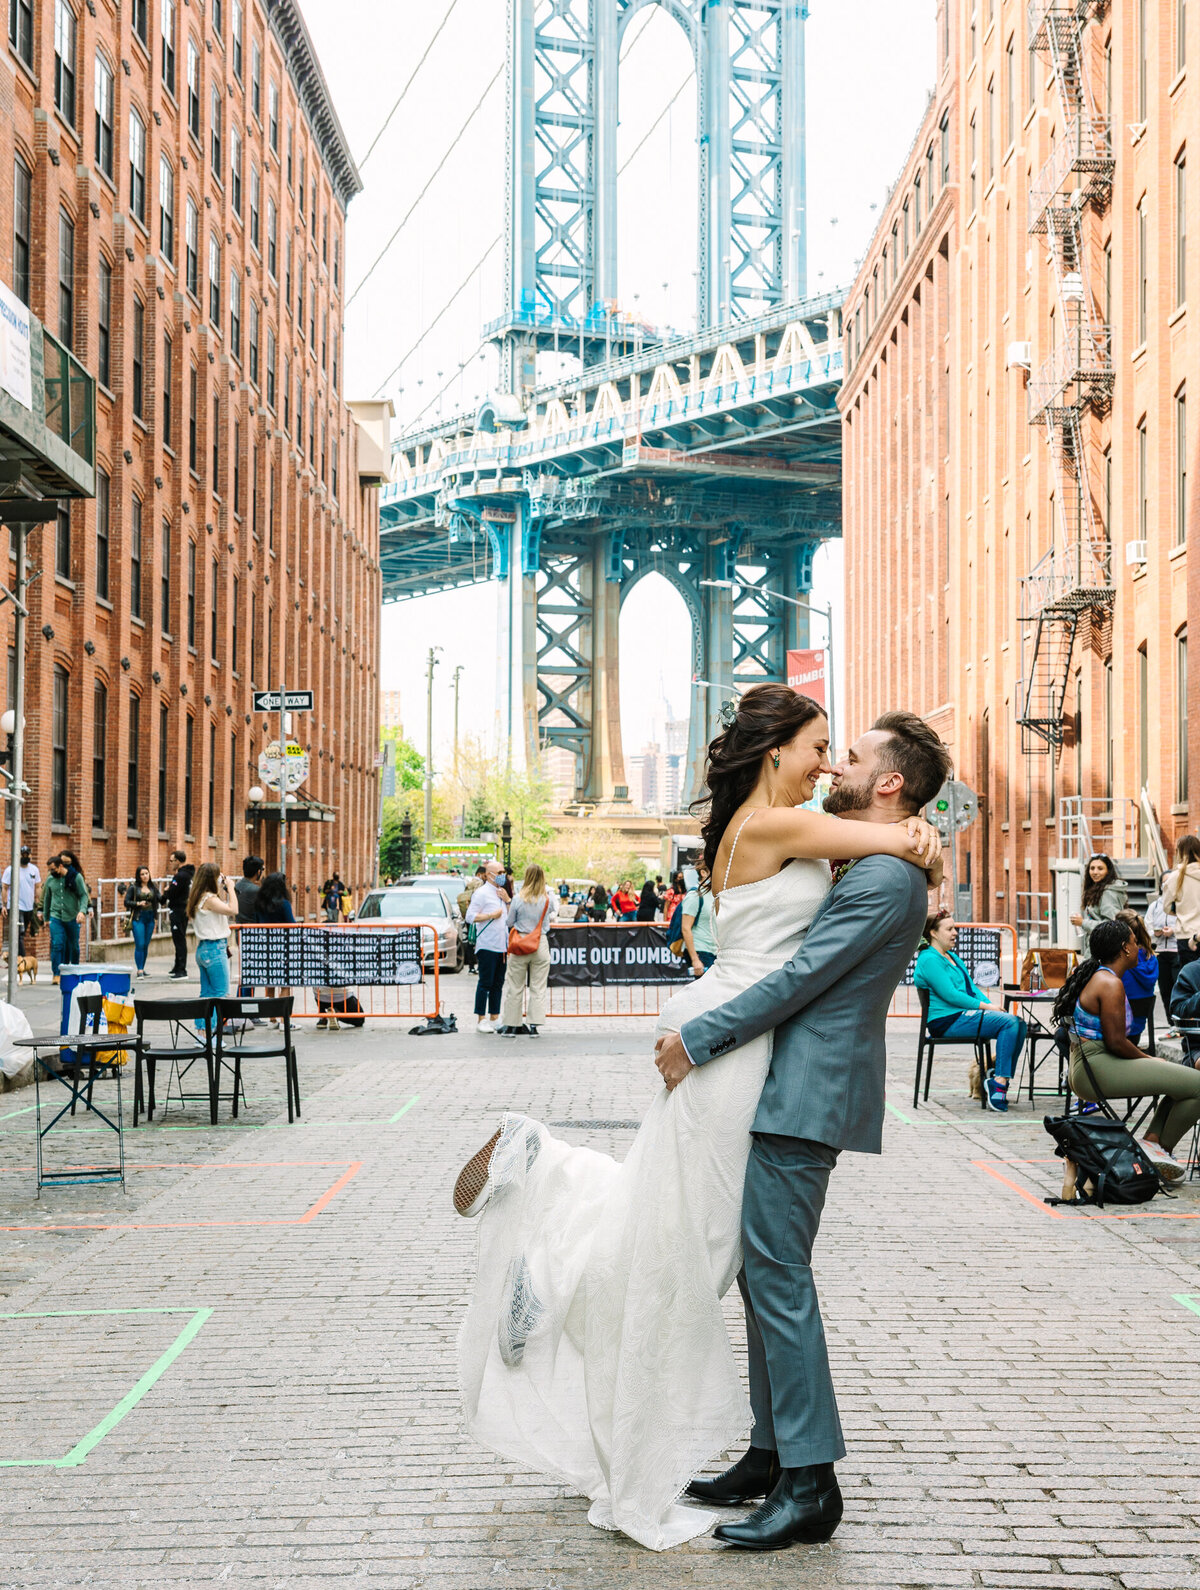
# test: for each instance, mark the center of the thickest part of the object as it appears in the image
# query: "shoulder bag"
(527, 943)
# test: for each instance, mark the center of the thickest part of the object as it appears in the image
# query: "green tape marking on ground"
(1188, 1301)
(403, 1110)
(78, 1453)
(28, 1110)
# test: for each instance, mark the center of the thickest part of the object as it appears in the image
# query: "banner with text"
(806, 673)
(626, 952)
(312, 956)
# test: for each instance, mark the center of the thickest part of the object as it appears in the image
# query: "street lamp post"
(432, 664)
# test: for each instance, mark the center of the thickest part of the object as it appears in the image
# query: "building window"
(233, 773)
(164, 589)
(256, 80)
(233, 624)
(905, 217)
(253, 316)
(168, 46)
(273, 117)
(1143, 701)
(991, 128)
(166, 210)
(20, 28)
(253, 493)
(325, 238)
(235, 171)
(163, 726)
(134, 743)
(1181, 229)
(313, 211)
(191, 248)
(312, 317)
(66, 280)
(216, 125)
(214, 280)
(917, 205)
(212, 779)
(334, 468)
(253, 637)
(287, 276)
(58, 746)
(103, 98)
(255, 186)
(212, 643)
(291, 150)
(1143, 270)
(237, 466)
(189, 748)
(1181, 717)
(1181, 447)
(235, 37)
(1108, 728)
(137, 166)
(216, 446)
(235, 314)
(193, 90)
(99, 751)
(141, 20)
(1143, 482)
(191, 596)
(62, 541)
(193, 414)
(135, 557)
(65, 27)
(303, 170)
(1180, 63)
(167, 383)
(287, 394)
(272, 239)
(270, 368)
(102, 507)
(1143, 62)
(138, 341)
(104, 325)
(1108, 281)
(325, 324)
(22, 198)
(337, 250)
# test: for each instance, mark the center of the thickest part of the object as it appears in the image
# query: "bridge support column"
(605, 777)
(517, 647)
(714, 666)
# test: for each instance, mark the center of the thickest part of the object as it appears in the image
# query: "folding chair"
(262, 1043)
(182, 1046)
(927, 1043)
(76, 1063)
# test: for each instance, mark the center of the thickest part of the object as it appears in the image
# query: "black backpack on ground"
(1111, 1166)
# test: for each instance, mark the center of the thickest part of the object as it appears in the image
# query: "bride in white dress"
(594, 1346)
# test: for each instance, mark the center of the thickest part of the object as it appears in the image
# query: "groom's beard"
(848, 798)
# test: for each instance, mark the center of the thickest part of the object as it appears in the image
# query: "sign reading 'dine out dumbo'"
(633, 952)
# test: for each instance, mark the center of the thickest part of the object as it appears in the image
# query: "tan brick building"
(175, 188)
(1008, 455)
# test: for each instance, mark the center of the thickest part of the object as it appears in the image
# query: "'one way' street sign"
(297, 701)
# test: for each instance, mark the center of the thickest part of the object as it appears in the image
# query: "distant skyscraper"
(389, 710)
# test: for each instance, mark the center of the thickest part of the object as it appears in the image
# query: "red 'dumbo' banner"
(806, 673)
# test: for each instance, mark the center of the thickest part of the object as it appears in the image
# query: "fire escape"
(1073, 581)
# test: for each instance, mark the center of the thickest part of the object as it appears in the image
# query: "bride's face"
(802, 761)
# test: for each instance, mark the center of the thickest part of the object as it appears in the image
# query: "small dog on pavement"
(27, 966)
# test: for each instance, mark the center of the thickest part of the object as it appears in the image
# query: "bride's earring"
(775, 760)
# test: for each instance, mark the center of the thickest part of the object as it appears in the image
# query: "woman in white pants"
(530, 914)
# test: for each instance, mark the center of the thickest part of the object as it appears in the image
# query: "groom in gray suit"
(824, 1093)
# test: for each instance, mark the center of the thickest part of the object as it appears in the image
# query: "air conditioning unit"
(1135, 552)
(1020, 356)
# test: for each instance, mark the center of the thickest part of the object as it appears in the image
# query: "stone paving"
(242, 1370)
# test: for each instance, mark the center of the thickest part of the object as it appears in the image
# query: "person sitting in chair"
(958, 1009)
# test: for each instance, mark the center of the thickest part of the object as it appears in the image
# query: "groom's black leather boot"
(755, 1474)
(804, 1508)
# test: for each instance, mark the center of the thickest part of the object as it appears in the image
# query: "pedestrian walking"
(648, 903)
(488, 910)
(211, 907)
(28, 879)
(64, 907)
(178, 892)
(1181, 894)
(528, 918)
(247, 890)
(142, 901)
(464, 900)
(598, 903)
(333, 891)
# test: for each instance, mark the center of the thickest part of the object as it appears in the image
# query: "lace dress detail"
(594, 1346)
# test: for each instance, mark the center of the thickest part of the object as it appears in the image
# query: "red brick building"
(1017, 434)
(175, 186)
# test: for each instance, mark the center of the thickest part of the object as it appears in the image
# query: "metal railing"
(109, 911)
(1034, 919)
(378, 1001)
(1088, 825)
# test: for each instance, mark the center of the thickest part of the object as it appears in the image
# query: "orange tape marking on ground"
(349, 1172)
(1064, 1212)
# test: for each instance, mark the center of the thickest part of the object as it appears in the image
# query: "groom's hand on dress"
(671, 1058)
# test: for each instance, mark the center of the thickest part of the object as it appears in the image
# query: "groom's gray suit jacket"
(828, 1006)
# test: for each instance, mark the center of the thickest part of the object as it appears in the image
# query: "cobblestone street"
(242, 1371)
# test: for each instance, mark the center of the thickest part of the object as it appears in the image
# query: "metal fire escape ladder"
(1073, 578)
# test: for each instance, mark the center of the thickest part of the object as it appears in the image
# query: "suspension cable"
(412, 77)
(461, 288)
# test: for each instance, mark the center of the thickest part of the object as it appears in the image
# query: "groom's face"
(855, 776)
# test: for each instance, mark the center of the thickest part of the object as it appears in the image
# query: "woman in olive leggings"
(1093, 1001)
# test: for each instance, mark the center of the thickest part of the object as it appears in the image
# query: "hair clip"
(728, 713)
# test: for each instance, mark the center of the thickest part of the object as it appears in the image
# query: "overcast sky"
(870, 69)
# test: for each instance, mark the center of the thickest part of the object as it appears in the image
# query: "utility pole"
(432, 664)
(457, 676)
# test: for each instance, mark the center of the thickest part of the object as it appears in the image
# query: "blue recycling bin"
(113, 979)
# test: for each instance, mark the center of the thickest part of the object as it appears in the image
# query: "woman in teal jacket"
(958, 1009)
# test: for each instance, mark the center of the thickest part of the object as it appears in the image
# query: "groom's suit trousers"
(791, 1390)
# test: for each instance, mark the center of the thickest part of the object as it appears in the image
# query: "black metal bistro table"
(78, 1075)
(1037, 1003)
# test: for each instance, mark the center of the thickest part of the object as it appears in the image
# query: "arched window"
(99, 751)
(58, 745)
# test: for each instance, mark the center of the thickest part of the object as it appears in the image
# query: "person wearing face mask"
(1104, 894)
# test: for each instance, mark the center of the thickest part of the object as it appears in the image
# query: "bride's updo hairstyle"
(767, 716)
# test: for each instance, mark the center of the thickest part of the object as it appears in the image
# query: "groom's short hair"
(914, 751)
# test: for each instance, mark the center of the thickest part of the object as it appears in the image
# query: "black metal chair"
(255, 1044)
(927, 1042)
(183, 1045)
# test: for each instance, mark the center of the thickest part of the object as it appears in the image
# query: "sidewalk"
(1019, 1386)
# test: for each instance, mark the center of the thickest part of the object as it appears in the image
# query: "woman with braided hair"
(1106, 1063)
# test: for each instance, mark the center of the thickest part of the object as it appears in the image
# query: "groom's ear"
(889, 785)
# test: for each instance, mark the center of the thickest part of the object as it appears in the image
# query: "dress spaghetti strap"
(732, 848)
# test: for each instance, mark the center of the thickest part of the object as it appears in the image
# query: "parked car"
(451, 884)
(427, 906)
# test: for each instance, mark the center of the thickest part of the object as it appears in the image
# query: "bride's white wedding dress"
(594, 1346)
